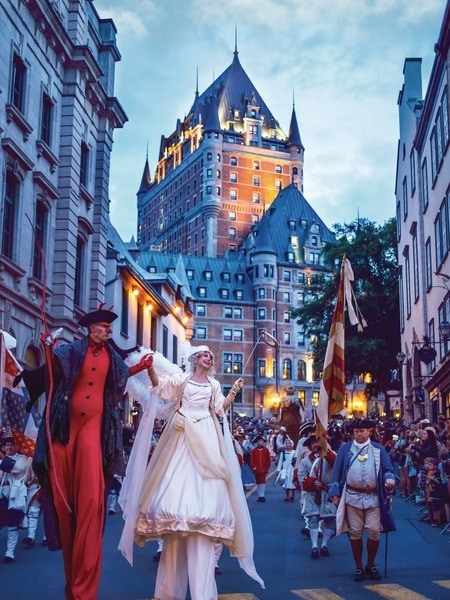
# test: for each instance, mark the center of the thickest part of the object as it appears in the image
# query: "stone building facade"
(423, 217)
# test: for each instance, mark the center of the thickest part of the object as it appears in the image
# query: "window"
(84, 164)
(227, 335)
(287, 337)
(415, 266)
(231, 215)
(200, 310)
(233, 161)
(428, 264)
(291, 224)
(290, 256)
(278, 184)
(268, 270)
(231, 312)
(287, 316)
(286, 297)
(80, 272)
(124, 312)
(412, 168)
(232, 363)
(256, 181)
(300, 339)
(261, 293)
(278, 169)
(261, 368)
(233, 177)
(226, 276)
(207, 275)
(39, 232)
(209, 173)
(232, 232)
(286, 276)
(18, 83)
(301, 370)
(233, 194)
(300, 278)
(139, 324)
(9, 214)
(405, 198)
(224, 293)
(314, 258)
(209, 156)
(287, 368)
(46, 119)
(407, 282)
(261, 314)
(239, 294)
(256, 165)
(424, 184)
(200, 333)
(202, 292)
(256, 198)
(189, 273)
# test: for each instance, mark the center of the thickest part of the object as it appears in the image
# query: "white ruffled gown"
(185, 498)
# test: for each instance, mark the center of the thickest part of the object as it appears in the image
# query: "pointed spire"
(294, 138)
(146, 180)
(235, 40)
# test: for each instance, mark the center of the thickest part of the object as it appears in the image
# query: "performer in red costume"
(87, 379)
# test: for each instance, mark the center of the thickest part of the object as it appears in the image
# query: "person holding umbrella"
(361, 481)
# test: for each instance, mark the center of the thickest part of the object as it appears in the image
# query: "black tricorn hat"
(257, 438)
(361, 424)
(311, 439)
(306, 428)
(7, 440)
(101, 315)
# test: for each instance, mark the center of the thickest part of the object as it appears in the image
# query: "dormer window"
(207, 275)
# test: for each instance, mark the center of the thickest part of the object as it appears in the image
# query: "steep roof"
(288, 226)
(234, 91)
(146, 180)
(294, 138)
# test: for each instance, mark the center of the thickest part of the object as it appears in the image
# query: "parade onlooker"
(15, 473)
(362, 475)
(314, 475)
(260, 464)
(433, 490)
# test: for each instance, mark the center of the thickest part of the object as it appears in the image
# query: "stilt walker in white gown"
(191, 493)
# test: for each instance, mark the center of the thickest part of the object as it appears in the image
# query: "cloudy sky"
(342, 61)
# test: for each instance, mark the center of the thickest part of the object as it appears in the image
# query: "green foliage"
(371, 250)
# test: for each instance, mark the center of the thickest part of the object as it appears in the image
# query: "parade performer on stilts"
(79, 446)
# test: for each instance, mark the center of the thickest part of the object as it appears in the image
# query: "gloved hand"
(145, 363)
(47, 339)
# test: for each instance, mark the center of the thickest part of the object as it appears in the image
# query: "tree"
(371, 250)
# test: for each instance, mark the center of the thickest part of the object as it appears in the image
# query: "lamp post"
(400, 356)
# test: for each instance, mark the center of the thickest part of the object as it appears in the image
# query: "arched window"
(301, 370)
(287, 368)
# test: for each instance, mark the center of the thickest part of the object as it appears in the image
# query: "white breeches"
(186, 560)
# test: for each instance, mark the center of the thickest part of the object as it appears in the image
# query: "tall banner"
(332, 386)
(23, 425)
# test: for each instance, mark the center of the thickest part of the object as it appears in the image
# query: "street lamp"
(426, 353)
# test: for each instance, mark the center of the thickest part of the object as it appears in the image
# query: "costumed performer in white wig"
(191, 494)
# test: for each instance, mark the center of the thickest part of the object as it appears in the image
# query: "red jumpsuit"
(80, 477)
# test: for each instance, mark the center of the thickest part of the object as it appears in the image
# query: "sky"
(340, 62)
